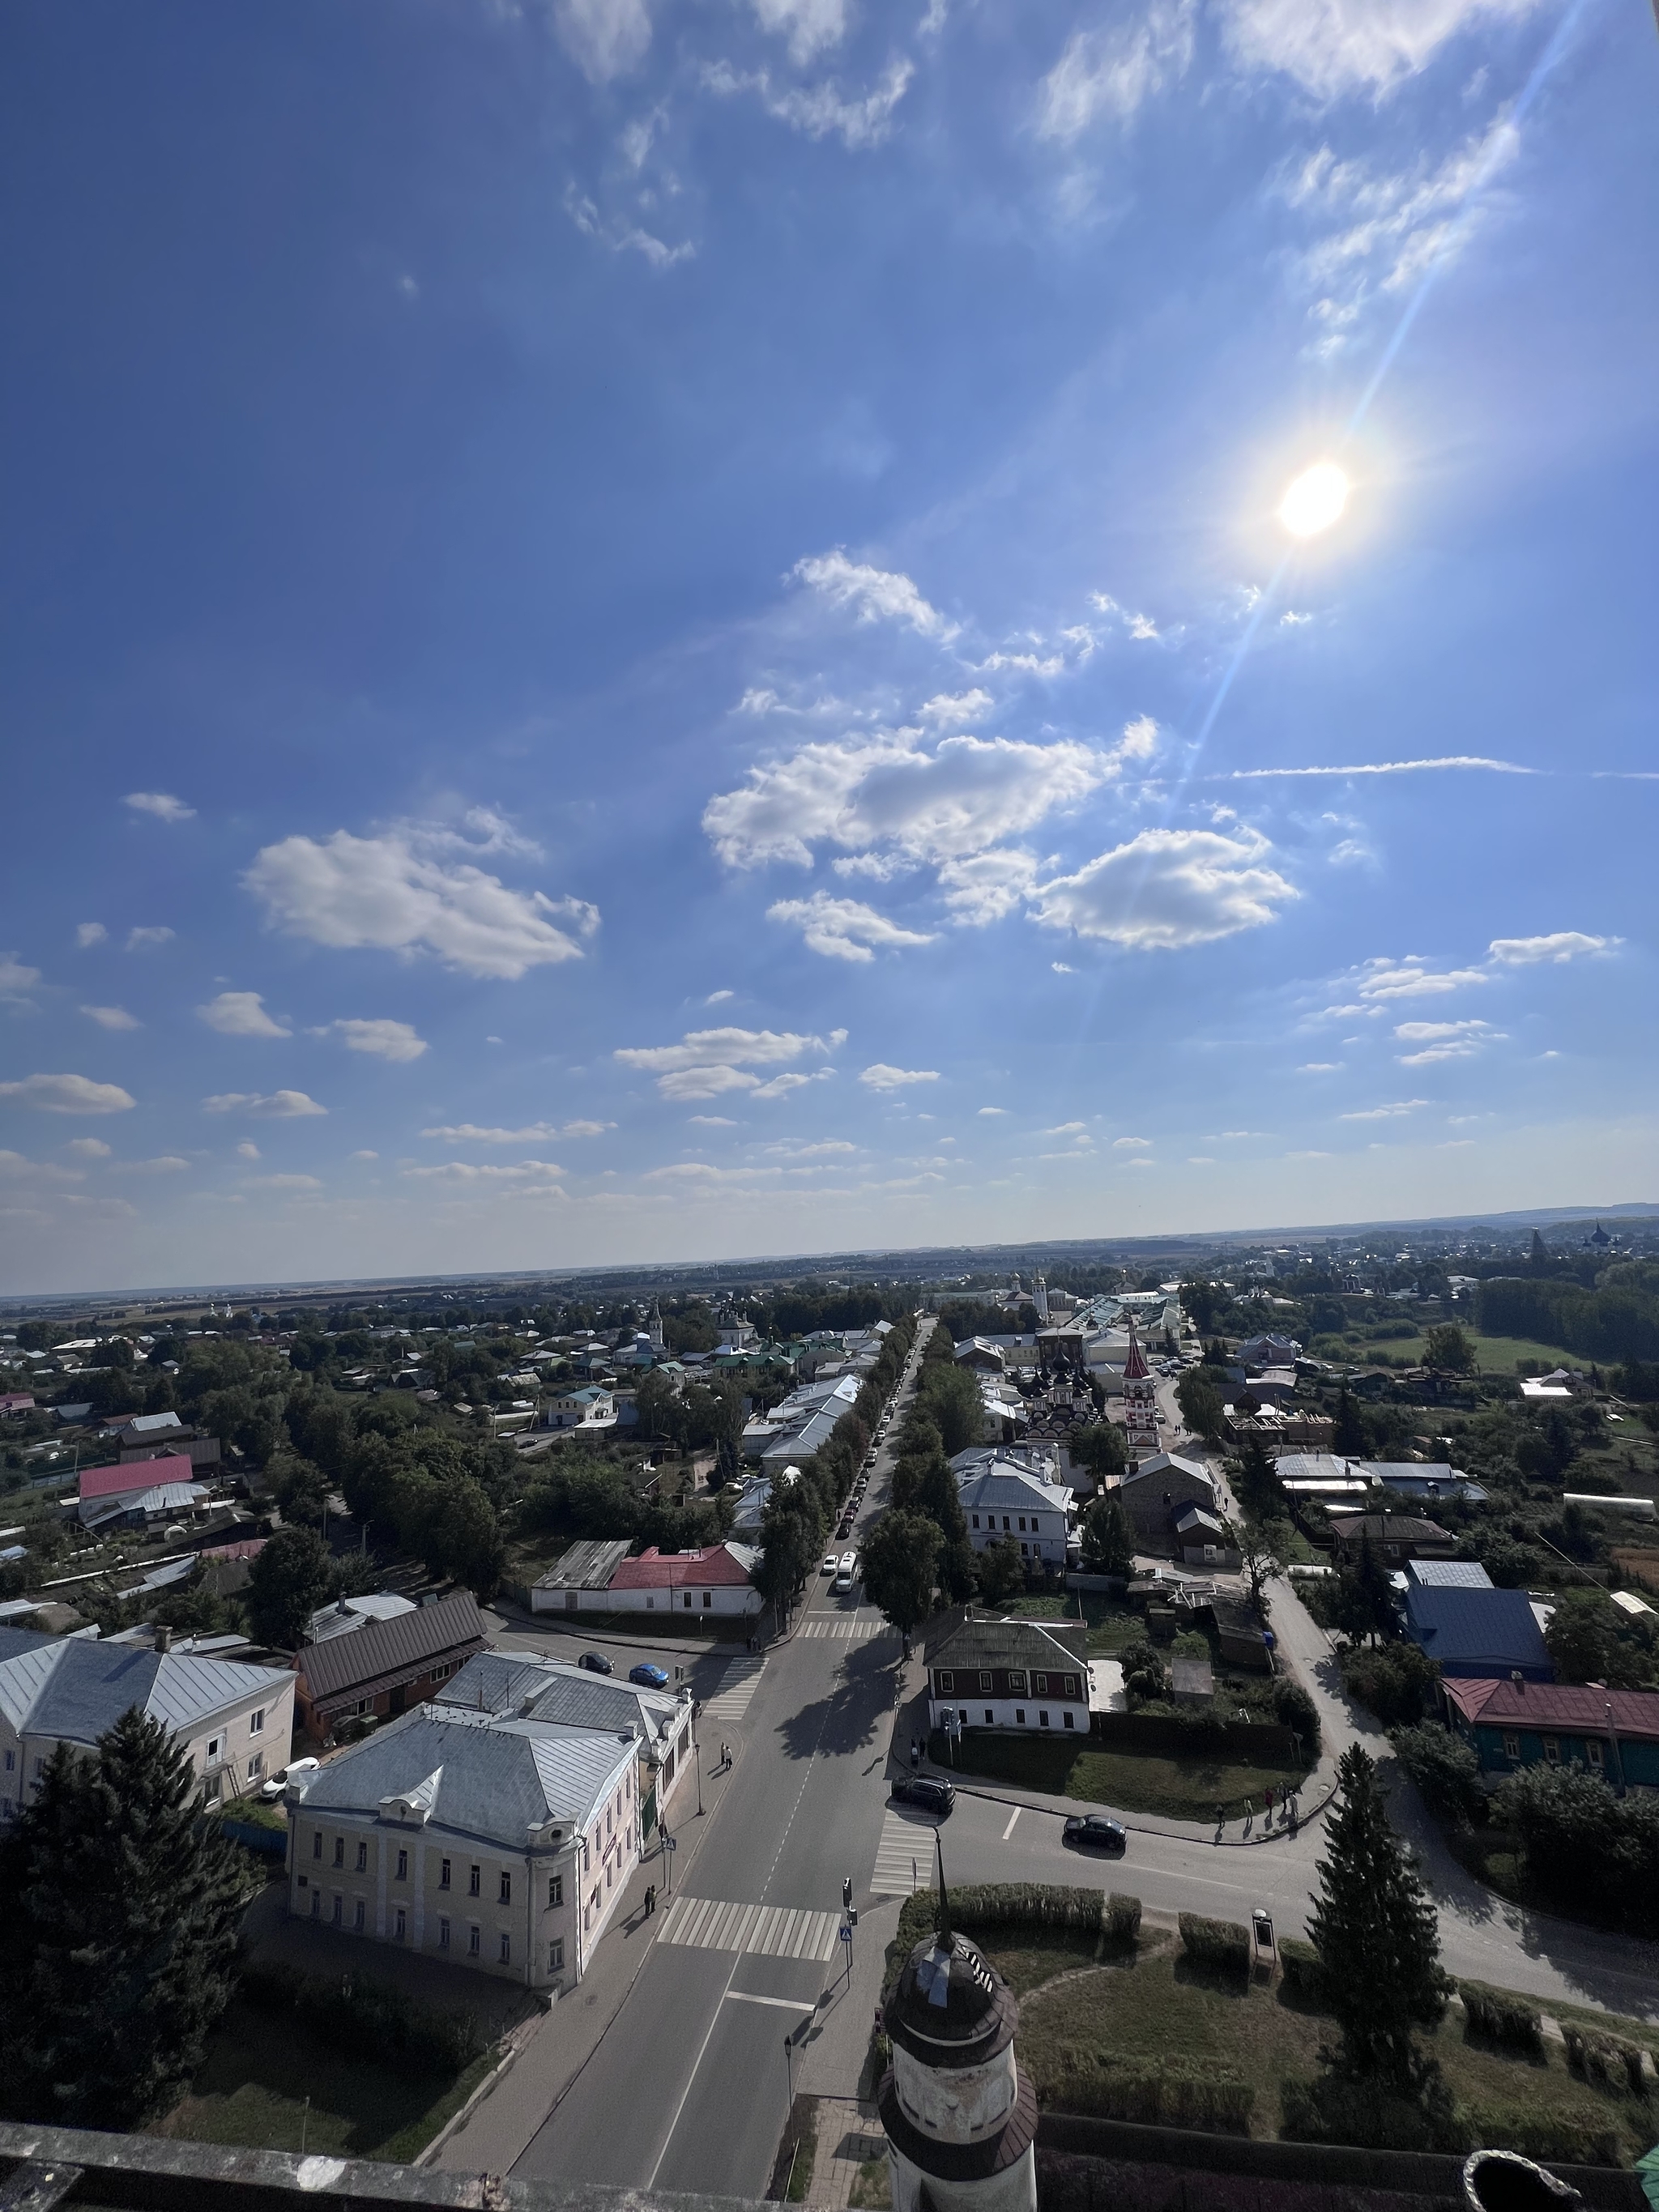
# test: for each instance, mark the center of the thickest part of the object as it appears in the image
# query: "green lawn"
(1494, 1355)
(251, 2089)
(1186, 1789)
(1111, 1623)
(1154, 2008)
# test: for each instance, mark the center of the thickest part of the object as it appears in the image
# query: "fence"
(1251, 1743)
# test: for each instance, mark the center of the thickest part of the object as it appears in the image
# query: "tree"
(1144, 1675)
(1349, 1438)
(1374, 1928)
(950, 1397)
(900, 1557)
(293, 1575)
(1445, 1771)
(1447, 1348)
(658, 1403)
(1103, 1448)
(1200, 1401)
(1263, 1547)
(791, 1533)
(121, 1905)
(1108, 1544)
(1000, 1571)
(461, 1536)
(1580, 1636)
(1587, 1850)
(1255, 1479)
(939, 1497)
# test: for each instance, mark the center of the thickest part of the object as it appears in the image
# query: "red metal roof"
(138, 1475)
(1555, 1705)
(1136, 1368)
(714, 1568)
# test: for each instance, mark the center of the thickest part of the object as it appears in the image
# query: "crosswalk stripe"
(904, 1856)
(849, 1631)
(766, 1931)
(737, 1686)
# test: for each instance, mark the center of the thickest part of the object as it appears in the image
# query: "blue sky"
(643, 630)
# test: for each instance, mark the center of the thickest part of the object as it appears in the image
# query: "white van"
(844, 1573)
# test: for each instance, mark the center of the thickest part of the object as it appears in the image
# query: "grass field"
(251, 2090)
(1494, 1355)
(1128, 1781)
(1111, 1624)
(1156, 2009)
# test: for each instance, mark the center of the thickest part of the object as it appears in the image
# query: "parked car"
(647, 1676)
(296, 1771)
(1094, 1831)
(831, 1563)
(596, 1663)
(926, 1790)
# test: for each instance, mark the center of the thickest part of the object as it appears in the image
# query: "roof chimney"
(163, 1638)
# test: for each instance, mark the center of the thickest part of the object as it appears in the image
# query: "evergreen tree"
(293, 1575)
(900, 1561)
(1109, 1547)
(1376, 1597)
(1374, 1928)
(1349, 1440)
(121, 1902)
(939, 1497)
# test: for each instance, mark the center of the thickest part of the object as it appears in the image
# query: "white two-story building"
(1002, 1498)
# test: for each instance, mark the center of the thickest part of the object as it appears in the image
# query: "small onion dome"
(949, 2008)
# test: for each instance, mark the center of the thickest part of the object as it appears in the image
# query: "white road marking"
(764, 1932)
(1012, 1817)
(783, 2004)
(858, 1631)
(904, 1856)
(731, 1701)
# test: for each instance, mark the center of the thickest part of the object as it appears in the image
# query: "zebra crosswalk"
(731, 1701)
(766, 1931)
(904, 1856)
(849, 1628)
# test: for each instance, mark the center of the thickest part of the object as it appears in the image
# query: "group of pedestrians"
(1288, 1800)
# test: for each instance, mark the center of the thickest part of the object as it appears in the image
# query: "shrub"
(1579, 2137)
(1501, 2017)
(366, 2019)
(1332, 2110)
(1174, 2093)
(1304, 1970)
(1223, 1946)
(1121, 1922)
(1444, 1769)
(1294, 1709)
(1396, 1680)
(1606, 2060)
(1587, 1851)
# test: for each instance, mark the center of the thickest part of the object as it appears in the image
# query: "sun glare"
(1314, 500)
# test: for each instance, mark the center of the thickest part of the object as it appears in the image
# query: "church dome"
(949, 2008)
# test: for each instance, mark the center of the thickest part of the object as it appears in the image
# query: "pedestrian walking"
(915, 1752)
(650, 1899)
(1270, 1801)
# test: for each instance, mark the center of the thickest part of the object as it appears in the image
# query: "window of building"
(1043, 1718)
(11, 1760)
(975, 1520)
(401, 1926)
(1071, 1686)
(1020, 1715)
(362, 1855)
(1016, 1682)
(1066, 1718)
(214, 1786)
(472, 1882)
(507, 1889)
(339, 1850)
(443, 1935)
(1593, 1752)
(256, 1720)
(316, 1904)
(1552, 1749)
(962, 1715)
(1005, 1520)
(556, 1955)
(256, 1766)
(686, 1601)
(506, 1951)
(1022, 1524)
(1040, 1684)
(990, 1717)
(984, 1681)
(339, 1907)
(708, 1597)
(946, 1682)
(443, 1874)
(403, 1866)
(473, 1942)
(555, 1889)
(215, 1747)
(1024, 1551)
(317, 1844)
(1511, 1744)
(357, 1914)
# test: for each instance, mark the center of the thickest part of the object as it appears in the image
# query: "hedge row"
(1606, 2060)
(1330, 2110)
(1015, 1909)
(368, 2020)
(1223, 1946)
(1174, 2093)
(1501, 2017)
(1304, 1970)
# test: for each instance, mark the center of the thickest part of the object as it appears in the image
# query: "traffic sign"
(845, 1933)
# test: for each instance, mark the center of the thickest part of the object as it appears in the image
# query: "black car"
(923, 1789)
(1094, 1831)
(596, 1663)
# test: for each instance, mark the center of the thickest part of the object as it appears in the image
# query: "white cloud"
(1066, 1130)
(1336, 47)
(167, 1164)
(535, 1132)
(843, 929)
(622, 236)
(820, 110)
(112, 1017)
(604, 38)
(140, 940)
(712, 1121)
(160, 804)
(1132, 1143)
(386, 1040)
(464, 1172)
(384, 892)
(809, 24)
(14, 977)
(958, 706)
(1168, 888)
(1384, 979)
(1564, 944)
(68, 1094)
(983, 887)
(987, 1113)
(708, 1063)
(1062, 967)
(1110, 72)
(881, 1077)
(357, 1155)
(1444, 1040)
(273, 1106)
(284, 1182)
(719, 998)
(874, 594)
(789, 1149)
(1391, 1113)
(1383, 768)
(242, 1013)
(1319, 1068)
(247, 1150)
(90, 932)
(1140, 740)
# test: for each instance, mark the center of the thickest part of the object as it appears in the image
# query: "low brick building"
(385, 1667)
(1009, 1674)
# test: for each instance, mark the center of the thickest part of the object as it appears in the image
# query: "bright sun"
(1314, 500)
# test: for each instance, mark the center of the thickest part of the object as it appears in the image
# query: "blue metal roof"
(1478, 1632)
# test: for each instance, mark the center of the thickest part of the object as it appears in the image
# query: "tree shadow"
(853, 1713)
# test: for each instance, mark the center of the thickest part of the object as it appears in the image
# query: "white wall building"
(1005, 1499)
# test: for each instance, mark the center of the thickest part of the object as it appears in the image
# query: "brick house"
(387, 1666)
(1011, 1675)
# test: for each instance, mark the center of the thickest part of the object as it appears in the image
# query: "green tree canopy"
(949, 1395)
(1580, 1636)
(1448, 1348)
(293, 1575)
(1446, 1772)
(121, 1904)
(900, 1561)
(1200, 1400)
(1103, 1448)
(1000, 1571)
(1375, 1930)
(1108, 1540)
(791, 1534)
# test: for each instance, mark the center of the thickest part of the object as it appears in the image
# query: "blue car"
(647, 1676)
